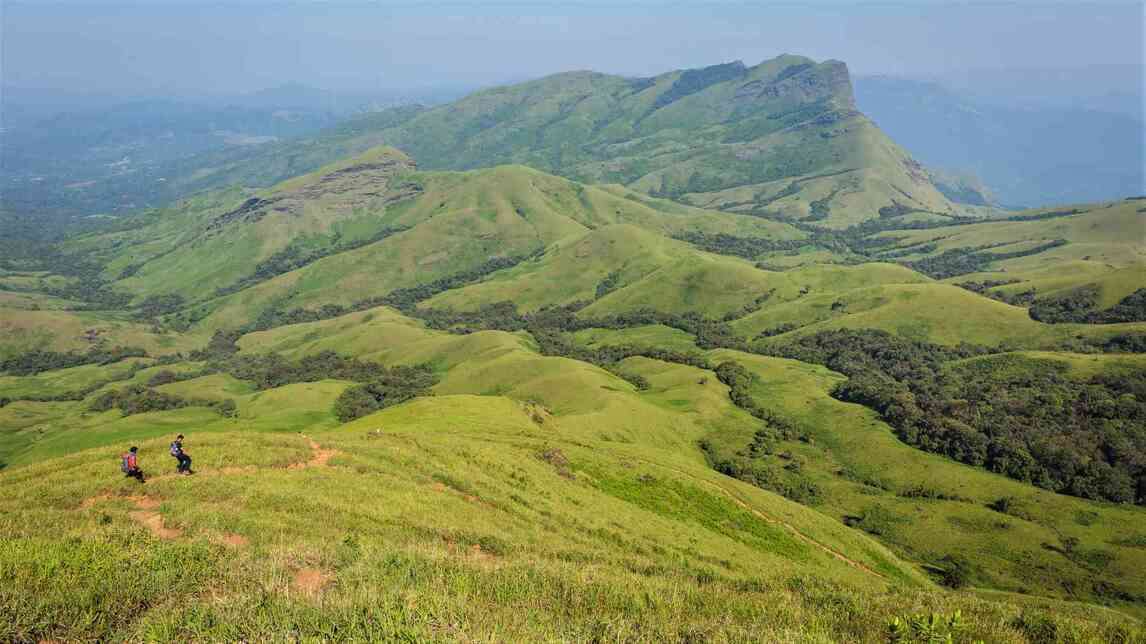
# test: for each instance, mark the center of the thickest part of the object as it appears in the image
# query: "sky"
(181, 47)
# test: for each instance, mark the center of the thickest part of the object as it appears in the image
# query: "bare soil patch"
(311, 581)
(234, 540)
(153, 521)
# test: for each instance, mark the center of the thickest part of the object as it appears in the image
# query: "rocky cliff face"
(806, 83)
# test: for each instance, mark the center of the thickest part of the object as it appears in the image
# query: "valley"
(692, 357)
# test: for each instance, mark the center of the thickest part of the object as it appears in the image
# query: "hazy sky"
(157, 46)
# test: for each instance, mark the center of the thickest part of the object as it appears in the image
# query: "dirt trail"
(320, 457)
(146, 507)
(773, 520)
(152, 520)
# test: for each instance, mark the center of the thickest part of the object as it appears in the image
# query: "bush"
(925, 629)
(390, 387)
(162, 378)
(140, 400)
(954, 571)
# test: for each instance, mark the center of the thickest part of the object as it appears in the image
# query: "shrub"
(925, 629)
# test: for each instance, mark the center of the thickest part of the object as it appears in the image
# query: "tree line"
(1017, 416)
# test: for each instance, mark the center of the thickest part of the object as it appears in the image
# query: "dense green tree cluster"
(270, 370)
(1023, 298)
(138, 399)
(382, 386)
(36, 361)
(386, 388)
(1078, 307)
(751, 463)
(1123, 343)
(154, 306)
(740, 382)
(1018, 416)
(85, 281)
(608, 285)
(746, 247)
(960, 261)
(787, 481)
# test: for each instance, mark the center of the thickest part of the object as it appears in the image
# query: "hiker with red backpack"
(181, 456)
(130, 464)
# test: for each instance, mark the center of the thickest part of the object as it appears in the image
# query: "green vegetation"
(796, 395)
(34, 362)
(1077, 307)
(1014, 415)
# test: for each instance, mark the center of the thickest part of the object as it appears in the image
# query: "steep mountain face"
(782, 139)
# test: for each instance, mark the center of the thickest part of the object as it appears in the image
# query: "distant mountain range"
(70, 154)
(1029, 149)
(727, 136)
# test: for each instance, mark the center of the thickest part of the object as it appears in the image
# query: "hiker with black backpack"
(129, 463)
(178, 453)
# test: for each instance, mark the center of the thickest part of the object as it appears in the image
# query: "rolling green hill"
(781, 139)
(803, 399)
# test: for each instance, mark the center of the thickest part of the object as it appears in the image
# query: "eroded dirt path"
(146, 515)
(146, 507)
(319, 457)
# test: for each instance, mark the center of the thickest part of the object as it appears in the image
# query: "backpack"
(125, 465)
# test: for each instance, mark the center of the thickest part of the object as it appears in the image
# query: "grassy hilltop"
(738, 373)
(781, 139)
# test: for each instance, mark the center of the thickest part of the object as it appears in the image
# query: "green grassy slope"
(534, 484)
(782, 139)
(1104, 251)
(773, 138)
(363, 227)
(624, 267)
(924, 505)
(170, 255)
(24, 330)
(547, 488)
(939, 313)
(469, 530)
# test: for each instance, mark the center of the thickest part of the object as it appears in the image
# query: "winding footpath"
(147, 514)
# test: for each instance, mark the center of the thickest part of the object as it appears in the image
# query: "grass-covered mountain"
(498, 403)
(781, 140)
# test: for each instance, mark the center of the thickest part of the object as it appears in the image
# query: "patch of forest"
(1017, 416)
(379, 386)
(1079, 307)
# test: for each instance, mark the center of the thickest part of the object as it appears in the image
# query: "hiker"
(130, 464)
(178, 453)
